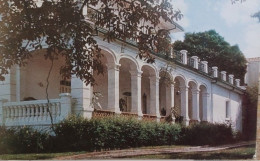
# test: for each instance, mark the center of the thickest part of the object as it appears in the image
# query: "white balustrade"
(34, 112)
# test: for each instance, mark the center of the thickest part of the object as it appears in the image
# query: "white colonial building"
(129, 86)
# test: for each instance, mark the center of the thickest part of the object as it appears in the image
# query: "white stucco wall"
(220, 96)
(34, 75)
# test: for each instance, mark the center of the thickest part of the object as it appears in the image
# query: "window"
(228, 111)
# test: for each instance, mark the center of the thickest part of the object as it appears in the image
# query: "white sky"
(232, 21)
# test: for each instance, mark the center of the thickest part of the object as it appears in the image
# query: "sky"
(232, 21)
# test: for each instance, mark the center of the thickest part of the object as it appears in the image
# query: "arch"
(152, 67)
(204, 85)
(131, 59)
(194, 83)
(112, 56)
(182, 79)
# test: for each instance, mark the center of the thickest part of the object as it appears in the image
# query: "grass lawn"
(34, 156)
(236, 153)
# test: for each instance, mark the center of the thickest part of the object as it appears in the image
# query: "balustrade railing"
(36, 112)
(149, 117)
(123, 29)
(31, 112)
(201, 67)
(102, 113)
(190, 62)
(210, 71)
(178, 56)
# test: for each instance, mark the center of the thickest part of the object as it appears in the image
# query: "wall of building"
(220, 96)
(34, 78)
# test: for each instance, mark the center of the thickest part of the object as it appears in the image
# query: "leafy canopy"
(62, 28)
(212, 47)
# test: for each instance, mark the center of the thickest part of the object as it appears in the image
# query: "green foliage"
(250, 112)
(22, 140)
(212, 47)
(62, 28)
(78, 134)
(207, 134)
(113, 133)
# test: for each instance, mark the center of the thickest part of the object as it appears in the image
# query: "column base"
(194, 121)
(204, 122)
(87, 113)
(114, 110)
(186, 122)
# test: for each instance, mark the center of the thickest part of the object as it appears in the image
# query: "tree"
(61, 26)
(212, 47)
(257, 15)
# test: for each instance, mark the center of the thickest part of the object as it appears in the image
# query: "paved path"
(146, 151)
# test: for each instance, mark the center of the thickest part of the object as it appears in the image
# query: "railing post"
(215, 72)
(65, 103)
(224, 75)
(184, 56)
(231, 78)
(205, 63)
(237, 82)
(196, 62)
(2, 111)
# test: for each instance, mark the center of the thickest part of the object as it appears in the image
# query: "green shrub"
(207, 134)
(78, 134)
(112, 133)
(22, 140)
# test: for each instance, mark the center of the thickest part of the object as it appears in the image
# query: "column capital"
(223, 72)
(195, 91)
(205, 94)
(154, 78)
(231, 75)
(194, 57)
(184, 88)
(204, 62)
(136, 73)
(113, 66)
(215, 68)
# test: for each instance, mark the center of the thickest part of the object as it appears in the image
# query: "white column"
(195, 105)
(65, 103)
(196, 62)
(113, 88)
(154, 96)
(224, 75)
(2, 101)
(184, 104)
(184, 56)
(231, 78)
(136, 92)
(215, 72)
(205, 63)
(82, 94)
(8, 86)
(169, 98)
(18, 83)
(205, 106)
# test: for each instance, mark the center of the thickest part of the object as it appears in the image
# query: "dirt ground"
(147, 151)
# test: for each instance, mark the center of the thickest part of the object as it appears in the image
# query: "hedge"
(78, 134)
